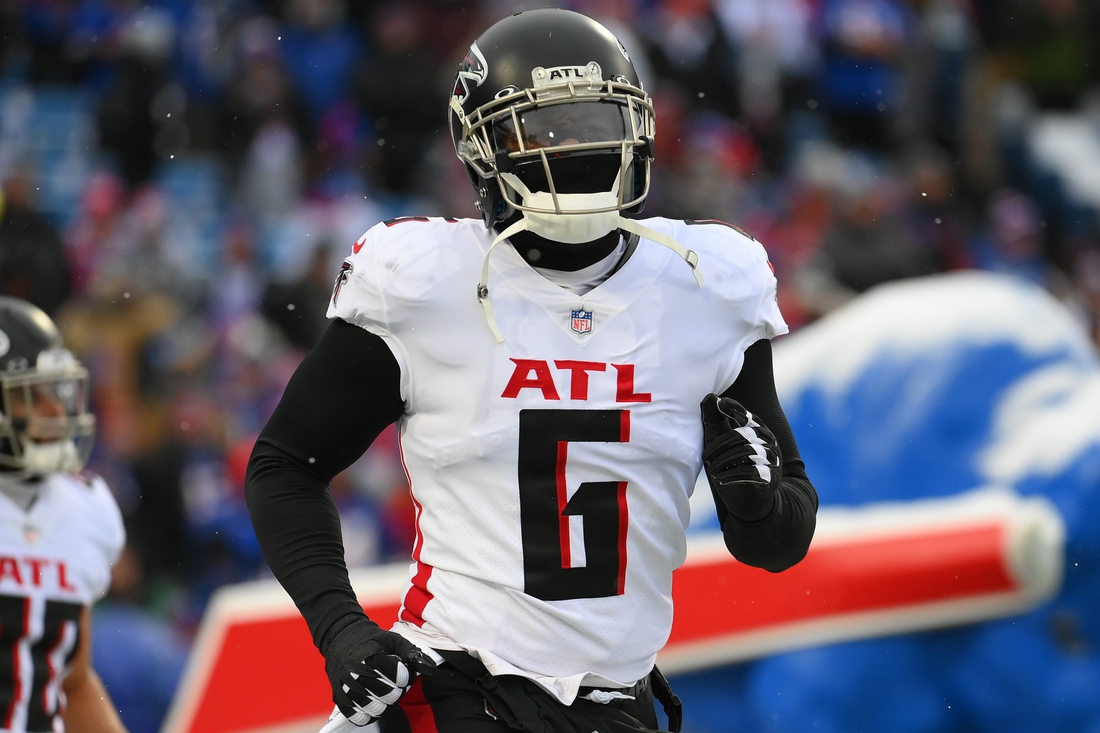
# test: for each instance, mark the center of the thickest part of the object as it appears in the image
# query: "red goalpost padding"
(871, 571)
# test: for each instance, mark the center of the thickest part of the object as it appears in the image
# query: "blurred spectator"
(16, 50)
(335, 169)
(687, 46)
(135, 115)
(937, 65)
(145, 255)
(1013, 242)
(866, 243)
(260, 97)
(237, 289)
(156, 523)
(221, 546)
(402, 91)
(202, 65)
(299, 307)
(938, 220)
(1087, 283)
(114, 334)
(102, 206)
(775, 56)
(32, 259)
(320, 49)
(378, 479)
(1042, 43)
(860, 86)
(140, 658)
(273, 171)
(359, 522)
(717, 158)
(621, 18)
(792, 232)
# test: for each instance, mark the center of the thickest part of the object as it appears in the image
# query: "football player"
(60, 532)
(559, 374)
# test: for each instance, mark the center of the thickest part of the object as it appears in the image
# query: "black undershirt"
(347, 390)
(541, 252)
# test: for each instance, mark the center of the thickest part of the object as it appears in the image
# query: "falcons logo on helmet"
(472, 69)
(341, 278)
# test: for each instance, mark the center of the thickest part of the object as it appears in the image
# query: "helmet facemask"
(570, 152)
(45, 426)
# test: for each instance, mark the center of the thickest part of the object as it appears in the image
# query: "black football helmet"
(45, 426)
(550, 119)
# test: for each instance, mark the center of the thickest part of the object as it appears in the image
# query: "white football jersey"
(551, 472)
(55, 560)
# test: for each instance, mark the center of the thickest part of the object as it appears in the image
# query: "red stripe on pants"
(417, 710)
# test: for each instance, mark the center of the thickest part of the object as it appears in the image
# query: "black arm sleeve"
(344, 393)
(781, 537)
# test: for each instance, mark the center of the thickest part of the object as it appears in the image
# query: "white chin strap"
(567, 227)
(58, 456)
(572, 229)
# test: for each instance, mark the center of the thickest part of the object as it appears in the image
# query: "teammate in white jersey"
(60, 532)
(559, 375)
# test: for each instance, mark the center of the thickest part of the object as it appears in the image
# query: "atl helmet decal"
(591, 72)
(472, 69)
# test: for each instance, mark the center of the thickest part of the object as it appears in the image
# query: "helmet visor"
(45, 412)
(46, 405)
(577, 123)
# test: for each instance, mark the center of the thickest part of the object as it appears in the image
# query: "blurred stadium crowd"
(181, 179)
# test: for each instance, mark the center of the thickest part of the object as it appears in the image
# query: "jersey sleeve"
(110, 533)
(359, 298)
(742, 283)
(759, 305)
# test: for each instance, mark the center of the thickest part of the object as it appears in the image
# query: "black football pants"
(448, 701)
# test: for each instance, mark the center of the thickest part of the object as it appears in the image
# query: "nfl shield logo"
(582, 321)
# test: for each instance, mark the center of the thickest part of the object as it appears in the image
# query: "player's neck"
(549, 255)
(23, 492)
(587, 278)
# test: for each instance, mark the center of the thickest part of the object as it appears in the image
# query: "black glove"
(741, 457)
(370, 669)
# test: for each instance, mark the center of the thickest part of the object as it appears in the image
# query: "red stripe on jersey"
(418, 543)
(623, 524)
(17, 678)
(624, 519)
(417, 709)
(52, 674)
(417, 597)
(563, 499)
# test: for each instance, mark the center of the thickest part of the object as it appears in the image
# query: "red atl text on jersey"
(537, 374)
(35, 572)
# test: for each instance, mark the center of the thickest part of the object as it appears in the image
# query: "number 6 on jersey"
(550, 571)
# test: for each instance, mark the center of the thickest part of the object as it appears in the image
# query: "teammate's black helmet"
(549, 117)
(45, 425)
